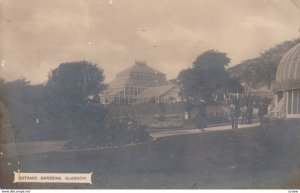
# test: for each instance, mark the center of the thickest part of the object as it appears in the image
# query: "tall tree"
(69, 89)
(3, 91)
(207, 76)
(261, 71)
(75, 81)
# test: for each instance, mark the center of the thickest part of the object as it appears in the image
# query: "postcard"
(149, 94)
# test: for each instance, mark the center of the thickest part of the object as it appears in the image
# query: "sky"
(37, 35)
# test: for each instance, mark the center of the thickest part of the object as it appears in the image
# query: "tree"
(17, 91)
(188, 79)
(3, 91)
(261, 71)
(75, 81)
(234, 85)
(207, 76)
(69, 89)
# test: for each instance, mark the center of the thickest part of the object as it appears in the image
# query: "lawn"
(262, 157)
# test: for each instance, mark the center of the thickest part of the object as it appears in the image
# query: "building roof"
(138, 67)
(288, 71)
(139, 75)
(127, 82)
(156, 91)
(118, 83)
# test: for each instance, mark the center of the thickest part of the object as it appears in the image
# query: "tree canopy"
(64, 108)
(74, 81)
(207, 76)
(261, 71)
(3, 91)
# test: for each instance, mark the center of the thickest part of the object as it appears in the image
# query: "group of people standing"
(241, 111)
(245, 111)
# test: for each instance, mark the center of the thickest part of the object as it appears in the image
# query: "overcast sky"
(38, 35)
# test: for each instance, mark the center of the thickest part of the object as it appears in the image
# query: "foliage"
(68, 90)
(3, 92)
(66, 107)
(117, 132)
(207, 76)
(74, 81)
(261, 70)
(234, 85)
(24, 103)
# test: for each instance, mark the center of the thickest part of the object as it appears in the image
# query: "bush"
(116, 132)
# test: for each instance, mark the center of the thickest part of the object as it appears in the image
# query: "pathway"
(160, 134)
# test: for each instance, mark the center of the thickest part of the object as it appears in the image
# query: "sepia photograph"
(150, 94)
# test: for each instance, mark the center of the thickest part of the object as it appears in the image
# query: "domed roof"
(288, 71)
(139, 67)
(139, 75)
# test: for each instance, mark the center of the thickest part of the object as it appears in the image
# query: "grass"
(262, 157)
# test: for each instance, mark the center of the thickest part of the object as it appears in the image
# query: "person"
(201, 118)
(237, 112)
(244, 114)
(233, 116)
(201, 122)
(261, 113)
(249, 112)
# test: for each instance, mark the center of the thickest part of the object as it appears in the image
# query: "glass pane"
(298, 101)
(289, 93)
(295, 93)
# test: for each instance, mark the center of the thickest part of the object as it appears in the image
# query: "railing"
(278, 109)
